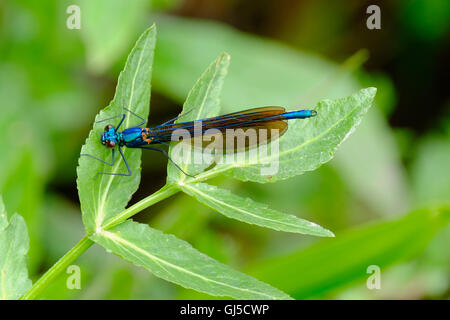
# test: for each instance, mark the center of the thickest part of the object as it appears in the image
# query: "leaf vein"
(237, 208)
(101, 214)
(112, 236)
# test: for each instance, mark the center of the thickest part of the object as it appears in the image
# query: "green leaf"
(311, 143)
(107, 195)
(328, 265)
(107, 27)
(306, 145)
(249, 211)
(177, 261)
(14, 244)
(202, 102)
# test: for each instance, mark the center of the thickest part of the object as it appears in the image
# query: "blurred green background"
(384, 194)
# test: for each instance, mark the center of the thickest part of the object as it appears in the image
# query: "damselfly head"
(107, 141)
(109, 137)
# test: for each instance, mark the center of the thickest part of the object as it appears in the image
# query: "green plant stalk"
(161, 194)
(57, 268)
(85, 242)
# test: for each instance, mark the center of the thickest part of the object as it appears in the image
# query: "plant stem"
(85, 242)
(161, 194)
(57, 268)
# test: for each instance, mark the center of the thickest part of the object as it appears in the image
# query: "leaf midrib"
(210, 173)
(346, 116)
(115, 238)
(100, 212)
(202, 105)
(188, 186)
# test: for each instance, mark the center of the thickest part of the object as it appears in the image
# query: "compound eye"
(110, 144)
(108, 127)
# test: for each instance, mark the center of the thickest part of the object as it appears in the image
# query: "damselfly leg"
(174, 119)
(123, 115)
(164, 152)
(111, 164)
(105, 162)
(118, 174)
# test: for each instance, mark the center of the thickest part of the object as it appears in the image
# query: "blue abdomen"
(301, 114)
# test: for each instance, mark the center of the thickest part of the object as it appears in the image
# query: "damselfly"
(265, 118)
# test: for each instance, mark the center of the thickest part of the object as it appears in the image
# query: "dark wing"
(249, 128)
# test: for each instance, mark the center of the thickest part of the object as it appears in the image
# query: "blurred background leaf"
(105, 39)
(318, 271)
(14, 244)
(322, 268)
(431, 170)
